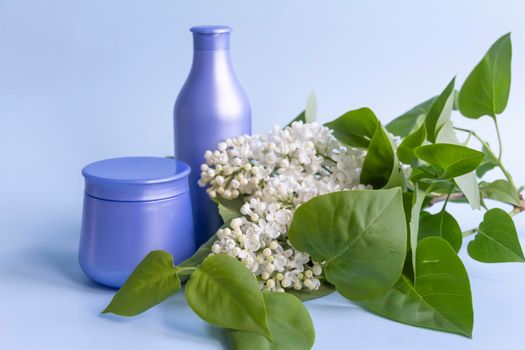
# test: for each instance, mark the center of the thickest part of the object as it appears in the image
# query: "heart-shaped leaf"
(362, 236)
(440, 297)
(486, 89)
(500, 190)
(496, 240)
(223, 292)
(439, 112)
(355, 128)
(153, 280)
(405, 151)
(289, 321)
(441, 225)
(381, 168)
(408, 121)
(453, 160)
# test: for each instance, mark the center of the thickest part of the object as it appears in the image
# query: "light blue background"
(87, 80)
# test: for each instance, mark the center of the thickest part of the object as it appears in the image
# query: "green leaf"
(408, 121)
(355, 128)
(408, 203)
(153, 280)
(424, 174)
(223, 292)
(455, 106)
(381, 168)
(362, 236)
(440, 297)
(301, 117)
(289, 321)
(202, 253)
(441, 225)
(405, 151)
(447, 134)
(310, 112)
(417, 203)
(500, 190)
(467, 183)
(230, 205)
(489, 163)
(496, 240)
(486, 89)
(452, 160)
(439, 112)
(438, 187)
(304, 295)
(228, 214)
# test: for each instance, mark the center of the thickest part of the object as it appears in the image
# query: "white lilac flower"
(274, 173)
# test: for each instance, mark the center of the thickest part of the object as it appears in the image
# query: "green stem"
(499, 138)
(185, 271)
(491, 153)
(469, 232)
(446, 199)
(468, 138)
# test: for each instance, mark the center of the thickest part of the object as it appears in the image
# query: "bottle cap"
(136, 178)
(216, 37)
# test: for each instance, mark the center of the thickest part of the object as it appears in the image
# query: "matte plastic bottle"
(211, 107)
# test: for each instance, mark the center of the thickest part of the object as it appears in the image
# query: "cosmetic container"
(132, 206)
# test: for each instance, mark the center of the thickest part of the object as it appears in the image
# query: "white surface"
(47, 303)
(87, 80)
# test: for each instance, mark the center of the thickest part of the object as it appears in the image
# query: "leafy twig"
(491, 153)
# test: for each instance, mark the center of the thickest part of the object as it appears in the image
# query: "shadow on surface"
(180, 319)
(53, 259)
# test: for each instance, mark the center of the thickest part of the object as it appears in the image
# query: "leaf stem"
(500, 149)
(491, 153)
(185, 271)
(447, 198)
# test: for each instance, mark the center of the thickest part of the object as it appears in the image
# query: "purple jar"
(132, 206)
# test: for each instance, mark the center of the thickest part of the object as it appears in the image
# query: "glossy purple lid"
(136, 178)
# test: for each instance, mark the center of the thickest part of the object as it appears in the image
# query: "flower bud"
(270, 283)
(298, 285)
(317, 270)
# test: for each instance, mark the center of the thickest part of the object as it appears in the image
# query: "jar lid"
(136, 178)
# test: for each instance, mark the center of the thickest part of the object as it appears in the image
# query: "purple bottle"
(210, 108)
